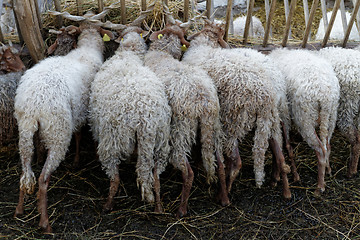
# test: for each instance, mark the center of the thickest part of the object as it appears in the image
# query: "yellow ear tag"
(141, 35)
(160, 36)
(183, 48)
(106, 38)
(122, 39)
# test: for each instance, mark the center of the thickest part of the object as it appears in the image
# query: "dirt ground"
(76, 197)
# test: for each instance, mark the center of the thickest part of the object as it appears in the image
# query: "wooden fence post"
(248, 20)
(227, 18)
(288, 22)
(351, 22)
(210, 9)
(331, 23)
(26, 14)
(59, 20)
(268, 22)
(308, 25)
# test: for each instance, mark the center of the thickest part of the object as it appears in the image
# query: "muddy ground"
(76, 197)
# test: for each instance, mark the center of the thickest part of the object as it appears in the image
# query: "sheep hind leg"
(114, 187)
(20, 207)
(354, 156)
(282, 168)
(290, 151)
(158, 206)
(223, 194)
(233, 165)
(42, 202)
(188, 177)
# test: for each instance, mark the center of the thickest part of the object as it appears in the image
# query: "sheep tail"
(262, 134)
(210, 139)
(26, 149)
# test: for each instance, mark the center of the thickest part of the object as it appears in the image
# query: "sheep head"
(65, 40)
(10, 59)
(214, 32)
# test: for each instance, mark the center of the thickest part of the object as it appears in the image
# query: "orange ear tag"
(106, 38)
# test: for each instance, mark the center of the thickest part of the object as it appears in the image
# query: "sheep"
(52, 97)
(65, 41)
(313, 93)
(247, 100)
(278, 80)
(194, 103)
(346, 64)
(129, 107)
(257, 29)
(7, 22)
(11, 63)
(337, 32)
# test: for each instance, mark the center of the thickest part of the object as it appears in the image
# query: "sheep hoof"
(19, 211)
(273, 184)
(107, 207)
(223, 199)
(318, 192)
(181, 213)
(351, 174)
(287, 195)
(296, 177)
(159, 208)
(45, 226)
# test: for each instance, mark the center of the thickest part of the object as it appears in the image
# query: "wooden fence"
(29, 22)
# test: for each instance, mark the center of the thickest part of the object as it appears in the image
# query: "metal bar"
(308, 25)
(351, 22)
(227, 19)
(343, 16)
(268, 22)
(248, 20)
(331, 23)
(286, 6)
(306, 13)
(288, 22)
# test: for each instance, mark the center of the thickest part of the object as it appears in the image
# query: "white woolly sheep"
(52, 97)
(247, 100)
(239, 26)
(313, 93)
(346, 64)
(9, 62)
(337, 31)
(129, 107)
(194, 102)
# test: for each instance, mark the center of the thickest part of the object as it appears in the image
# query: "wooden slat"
(101, 5)
(59, 20)
(29, 27)
(331, 23)
(231, 25)
(210, 9)
(308, 25)
(286, 6)
(227, 19)
(268, 22)
(186, 10)
(357, 18)
(143, 5)
(351, 22)
(288, 22)
(1, 34)
(248, 19)
(79, 7)
(123, 11)
(306, 14)
(343, 16)
(267, 11)
(251, 27)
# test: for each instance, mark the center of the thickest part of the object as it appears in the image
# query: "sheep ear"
(52, 48)
(107, 32)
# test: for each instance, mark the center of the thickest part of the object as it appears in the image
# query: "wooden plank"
(343, 16)
(288, 22)
(227, 19)
(267, 11)
(324, 16)
(268, 22)
(29, 27)
(1, 34)
(351, 22)
(308, 25)
(357, 18)
(248, 19)
(231, 25)
(251, 28)
(210, 9)
(59, 20)
(306, 14)
(143, 5)
(186, 10)
(331, 23)
(79, 7)
(101, 5)
(123, 11)
(286, 6)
